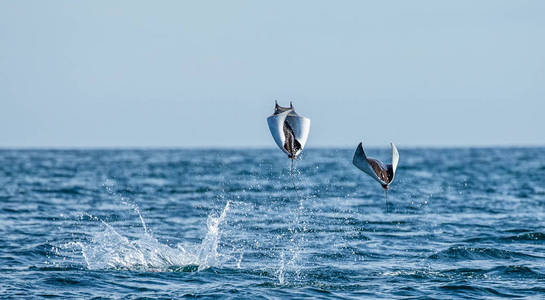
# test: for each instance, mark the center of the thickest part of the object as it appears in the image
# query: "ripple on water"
(227, 223)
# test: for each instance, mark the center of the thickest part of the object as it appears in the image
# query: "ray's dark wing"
(390, 172)
(361, 162)
(291, 144)
(380, 169)
(300, 128)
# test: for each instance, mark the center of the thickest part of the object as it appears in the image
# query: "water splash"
(208, 251)
(137, 211)
(239, 261)
(290, 264)
(280, 271)
(109, 249)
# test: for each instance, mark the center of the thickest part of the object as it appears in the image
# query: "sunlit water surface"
(228, 223)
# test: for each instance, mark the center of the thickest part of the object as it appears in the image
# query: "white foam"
(108, 249)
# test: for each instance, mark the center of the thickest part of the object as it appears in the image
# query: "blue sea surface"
(459, 223)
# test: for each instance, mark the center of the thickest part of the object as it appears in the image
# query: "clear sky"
(206, 73)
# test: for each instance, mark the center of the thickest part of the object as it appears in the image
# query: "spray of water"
(280, 271)
(291, 264)
(111, 248)
(208, 251)
(137, 211)
(108, 249)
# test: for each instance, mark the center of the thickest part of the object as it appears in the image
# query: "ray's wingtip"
(394, 147)
(359, 151)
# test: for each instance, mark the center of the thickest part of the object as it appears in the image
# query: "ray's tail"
(386, 197)
(293, 176)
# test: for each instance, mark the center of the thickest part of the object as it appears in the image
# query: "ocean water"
(459, 223)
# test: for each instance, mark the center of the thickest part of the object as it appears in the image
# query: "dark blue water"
(227, 223)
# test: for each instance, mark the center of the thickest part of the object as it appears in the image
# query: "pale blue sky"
(206, 73)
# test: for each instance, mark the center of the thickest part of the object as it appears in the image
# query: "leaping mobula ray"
(379, 171)
(289, 130)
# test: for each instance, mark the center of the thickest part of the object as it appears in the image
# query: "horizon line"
(261, 147)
